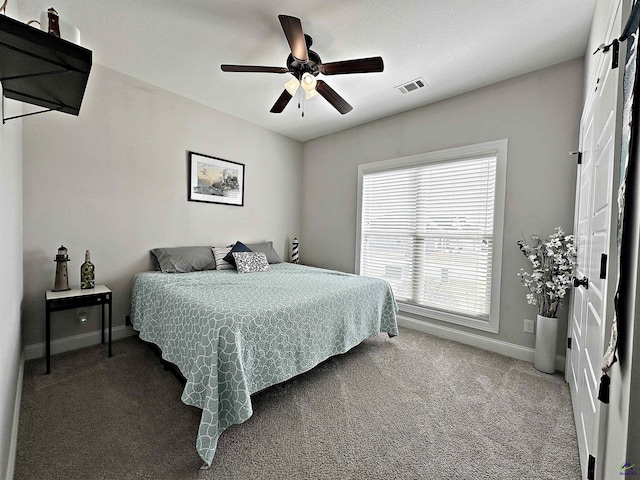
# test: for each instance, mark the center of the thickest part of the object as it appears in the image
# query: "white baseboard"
(38, 350)
(486, 343)
(13, 442)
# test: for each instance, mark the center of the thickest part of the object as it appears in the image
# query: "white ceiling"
(455, 45)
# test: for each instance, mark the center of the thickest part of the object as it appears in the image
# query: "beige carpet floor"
(411, 407)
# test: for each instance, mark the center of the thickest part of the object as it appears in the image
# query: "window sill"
(490, 325)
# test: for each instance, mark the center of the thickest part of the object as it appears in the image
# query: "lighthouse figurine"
(62, 279)
(295, 254)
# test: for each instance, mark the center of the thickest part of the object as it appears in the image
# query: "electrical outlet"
(82, 315)
(528, 326)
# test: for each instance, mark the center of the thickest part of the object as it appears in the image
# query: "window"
(431, 225)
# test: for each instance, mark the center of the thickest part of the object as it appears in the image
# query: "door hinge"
(569, 343)
(603, 266)
(579, 154)
(591, 468)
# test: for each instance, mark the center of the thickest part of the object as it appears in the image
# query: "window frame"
(497, 148)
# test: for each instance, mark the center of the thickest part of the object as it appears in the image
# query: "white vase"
(546, 340)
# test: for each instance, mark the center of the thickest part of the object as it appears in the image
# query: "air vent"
(412, 85)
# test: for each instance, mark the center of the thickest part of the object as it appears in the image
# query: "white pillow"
(249, 262)
(218, 254)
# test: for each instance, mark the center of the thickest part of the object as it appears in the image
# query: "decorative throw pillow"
(267, 249)
(238, 247)
(249, 262)
(219, 253)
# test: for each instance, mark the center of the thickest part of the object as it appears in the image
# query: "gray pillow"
(267, 249)
(183, 259)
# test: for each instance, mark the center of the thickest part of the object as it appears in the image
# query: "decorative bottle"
(54, 24)
(87, 272)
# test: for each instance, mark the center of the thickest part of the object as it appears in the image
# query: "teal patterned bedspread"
(233, 334)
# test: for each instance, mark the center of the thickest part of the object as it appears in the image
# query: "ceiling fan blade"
(333, 98)
(282, 102)
(361, 65)
(295, 36)
(253, 68)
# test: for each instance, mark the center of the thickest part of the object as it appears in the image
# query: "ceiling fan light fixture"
(309, 82)
(308, 94)
(292, 86)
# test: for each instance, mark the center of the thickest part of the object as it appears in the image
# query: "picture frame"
(215, 180)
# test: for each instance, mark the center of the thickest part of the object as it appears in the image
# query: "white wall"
(114, 181)
(11, 278)
(538, 113)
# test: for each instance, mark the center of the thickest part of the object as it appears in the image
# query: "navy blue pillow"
(238, 247)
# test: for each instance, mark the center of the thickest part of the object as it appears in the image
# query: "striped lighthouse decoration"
(295, 255)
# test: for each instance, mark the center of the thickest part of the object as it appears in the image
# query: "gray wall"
(538, 113)
(11, 278)
(114, 181)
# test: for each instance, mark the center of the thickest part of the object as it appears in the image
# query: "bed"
(232, 335)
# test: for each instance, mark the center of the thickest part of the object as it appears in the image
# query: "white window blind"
(428, 230)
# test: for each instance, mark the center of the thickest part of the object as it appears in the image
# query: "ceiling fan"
(305, 65)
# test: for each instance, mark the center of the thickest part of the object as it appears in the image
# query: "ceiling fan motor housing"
(312, 66)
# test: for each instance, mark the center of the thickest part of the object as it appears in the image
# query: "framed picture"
(215, 180)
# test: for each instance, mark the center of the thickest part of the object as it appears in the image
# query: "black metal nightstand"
(76, 298)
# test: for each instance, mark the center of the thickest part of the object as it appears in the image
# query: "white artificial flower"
(552, 260)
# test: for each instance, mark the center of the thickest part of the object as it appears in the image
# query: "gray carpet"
(410, 407)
